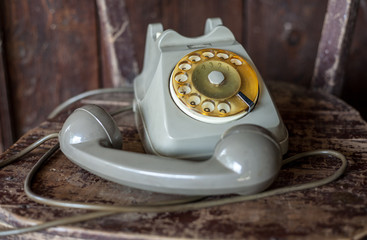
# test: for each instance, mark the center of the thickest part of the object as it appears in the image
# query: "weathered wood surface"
(51, 54)
(275, 28)
(186, 17)
(333, 50)
(314, 120)
(6, 130)
(119, 65)
(353, 92)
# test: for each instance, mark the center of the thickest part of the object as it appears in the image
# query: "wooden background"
(51, 50)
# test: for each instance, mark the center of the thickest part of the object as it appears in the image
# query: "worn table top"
(314, 120)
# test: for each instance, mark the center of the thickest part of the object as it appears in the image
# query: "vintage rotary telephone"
(201, 108)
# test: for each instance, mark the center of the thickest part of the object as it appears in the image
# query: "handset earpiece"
(89, 123)
(251, 149)
(246, 160)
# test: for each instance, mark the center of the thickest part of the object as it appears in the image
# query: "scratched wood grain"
(186, 17)
(334, 46)
(51, 55)
(119, 65)
(6, 126)
(314, 120)
(287, 27)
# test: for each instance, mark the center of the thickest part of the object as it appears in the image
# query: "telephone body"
(202, 111)
(165, 129)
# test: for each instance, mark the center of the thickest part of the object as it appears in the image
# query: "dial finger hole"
(185, 89)
(236, 61)
(181, 77)
(223, 55)
(208, 54)
(184, 66)
(195, 58)
(208, 106)
(194, 100)
(224, 107)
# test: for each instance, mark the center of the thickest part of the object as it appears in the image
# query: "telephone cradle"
(203, 113)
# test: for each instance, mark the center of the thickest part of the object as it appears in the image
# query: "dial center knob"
(216, 77)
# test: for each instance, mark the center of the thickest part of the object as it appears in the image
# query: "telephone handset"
(203, 113)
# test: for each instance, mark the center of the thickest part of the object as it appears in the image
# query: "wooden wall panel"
(334, 46)
(6, 126)
(283, 37)
(355, 84)
(118, 66)
(141, 13)
(187, 17)
(51, 54)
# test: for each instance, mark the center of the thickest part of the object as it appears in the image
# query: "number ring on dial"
(214, 85)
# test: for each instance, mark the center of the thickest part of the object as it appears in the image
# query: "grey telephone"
(203, 113)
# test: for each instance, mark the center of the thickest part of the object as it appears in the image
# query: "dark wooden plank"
(51, 55)
(119, 64)
(6, 128)
(141, 13)
(355, 84)
(334, 45)
(314, 120)
(283, 38)
(187, 17)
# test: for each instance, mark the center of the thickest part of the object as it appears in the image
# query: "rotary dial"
(214, 85)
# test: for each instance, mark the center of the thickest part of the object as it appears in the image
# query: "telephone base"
(164, 128)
